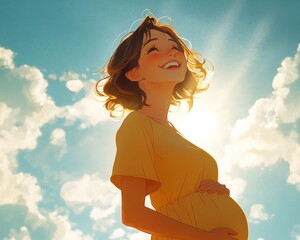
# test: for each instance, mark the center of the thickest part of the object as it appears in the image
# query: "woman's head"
(120, 90)
(161, 61)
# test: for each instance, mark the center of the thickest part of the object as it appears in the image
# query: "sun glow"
(199, 126)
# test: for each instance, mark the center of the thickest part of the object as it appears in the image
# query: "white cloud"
(6, 58)
(32, 99)
(236, 185)
(294, 177)
(260, 238)
(18, 219)
(52, 76)
(90, 188)
(19, 188)
(138, 236)
(64, 229)
(21, 124)
(38, 85)
(58, 137)
(26, 111)
(22, 116)
(74, 85)
(295, 233)
(20, 136)
(54, 226)
(99, 213)
(95, 193)
(104, 224)
(7, 115)
(22, 234)
(117, 233)
(258, 214)
(89, 110)
(262, 139)
(70, 75)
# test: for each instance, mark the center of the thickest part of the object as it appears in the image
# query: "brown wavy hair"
(121, 92)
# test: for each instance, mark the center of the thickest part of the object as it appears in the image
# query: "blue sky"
(57, 142)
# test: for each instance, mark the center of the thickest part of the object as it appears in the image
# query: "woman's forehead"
(156, 34)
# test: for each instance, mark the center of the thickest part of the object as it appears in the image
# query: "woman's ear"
(133, 74)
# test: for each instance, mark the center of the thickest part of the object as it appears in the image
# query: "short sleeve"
(134, 153)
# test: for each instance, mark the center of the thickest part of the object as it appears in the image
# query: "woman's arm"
(136, 215)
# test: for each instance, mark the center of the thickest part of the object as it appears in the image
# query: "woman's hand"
(211, 186)
(222, 233)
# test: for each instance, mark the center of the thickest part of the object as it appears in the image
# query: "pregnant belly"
(207, 211)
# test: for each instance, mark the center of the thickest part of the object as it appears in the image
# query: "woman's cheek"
(181, 55)
(153, 58)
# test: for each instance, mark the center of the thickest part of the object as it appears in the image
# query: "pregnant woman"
(150, 70)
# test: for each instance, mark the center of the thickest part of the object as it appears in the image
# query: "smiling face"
(161, 60)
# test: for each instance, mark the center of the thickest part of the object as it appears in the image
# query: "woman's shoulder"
(135, 125)
(134, 116)
(136, 120)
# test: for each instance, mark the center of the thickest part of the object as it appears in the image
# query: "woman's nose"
(172, 52)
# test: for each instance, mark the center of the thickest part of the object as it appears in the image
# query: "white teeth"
(169, 64)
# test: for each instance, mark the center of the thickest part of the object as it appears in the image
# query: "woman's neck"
(159, 98)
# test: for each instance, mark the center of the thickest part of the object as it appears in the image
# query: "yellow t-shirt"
(173, 168)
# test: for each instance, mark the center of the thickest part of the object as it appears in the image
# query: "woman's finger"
(206, 185)
(221, 188)
(224, 191)
(207, 182)
(214, 187)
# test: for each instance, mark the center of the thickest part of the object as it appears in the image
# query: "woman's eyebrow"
(153, 39)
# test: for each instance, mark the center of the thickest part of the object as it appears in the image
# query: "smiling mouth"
(171, 65)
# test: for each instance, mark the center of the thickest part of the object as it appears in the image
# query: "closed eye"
(155, 49)
(152, 49)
